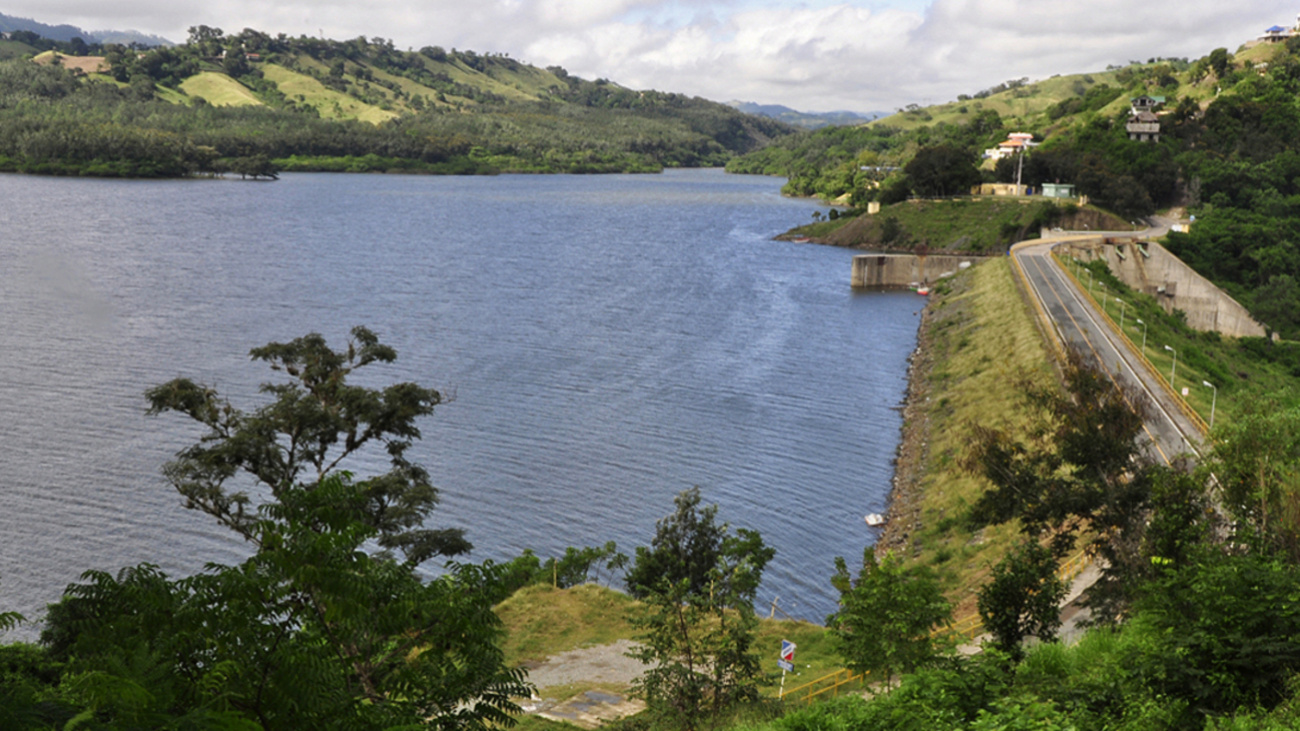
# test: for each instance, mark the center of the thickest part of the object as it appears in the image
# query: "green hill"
(303, 103)
(1229, 136)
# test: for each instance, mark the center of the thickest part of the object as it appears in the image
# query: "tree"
(689, 544)
(311, 632)
(314, 423)
(697, 617)
(1256, 460)
(254, 166)
(1023, 599)
(1080, 467)
(887, 615)
(1219, 59)
(1221, 632)
(1074, 463)
(942, 170)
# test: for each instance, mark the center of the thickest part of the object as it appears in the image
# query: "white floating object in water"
(875, 519)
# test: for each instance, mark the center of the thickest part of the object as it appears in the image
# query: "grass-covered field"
(331, 104)
(1018, 104)
(219, 90)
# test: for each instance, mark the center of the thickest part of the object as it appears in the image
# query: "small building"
(1143, 127)
(1276, 34)
(1146, 103)
(1015, 143)
(1058, 190)
(1000, 189)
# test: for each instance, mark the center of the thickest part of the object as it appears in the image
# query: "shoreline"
(903, 510)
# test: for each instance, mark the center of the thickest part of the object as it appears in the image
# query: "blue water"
(608, 340)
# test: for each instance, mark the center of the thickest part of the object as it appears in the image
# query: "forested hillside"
(1228, 152)
(253, 104)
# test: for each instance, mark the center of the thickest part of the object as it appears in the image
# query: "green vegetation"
(887, 616)
(308, 103)
(1227, 152)
(696, 623)
(314, 629)
(542, 621)
(984, 346)
(1246, 371)
(980, 225)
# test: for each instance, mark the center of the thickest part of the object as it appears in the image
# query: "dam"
(897, 271)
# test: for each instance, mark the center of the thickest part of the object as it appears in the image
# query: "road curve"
(1077, 324)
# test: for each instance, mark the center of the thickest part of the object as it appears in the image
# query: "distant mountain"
(805, 120)
(8, 24)
(65, 33)
(127, 37)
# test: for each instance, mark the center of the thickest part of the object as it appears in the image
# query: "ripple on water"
(610, 341)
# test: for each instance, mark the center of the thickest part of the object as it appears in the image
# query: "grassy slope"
(1027, 105)
(541, 622)
(982, 344)
(219, 90)
(1241, 378)
(463, 74)
(976, 225)
(331, 104)
(14, 49)
(1016, 104)
(534, 82)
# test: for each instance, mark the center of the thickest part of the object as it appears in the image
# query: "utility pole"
(1020, 166)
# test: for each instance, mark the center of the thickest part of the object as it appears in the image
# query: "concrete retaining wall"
(888, 271)
(1149, 268)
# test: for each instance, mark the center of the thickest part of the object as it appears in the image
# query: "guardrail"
(1186, 409)
(1045, 322)
(810, 691)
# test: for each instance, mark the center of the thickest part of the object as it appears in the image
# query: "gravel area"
(600, 664)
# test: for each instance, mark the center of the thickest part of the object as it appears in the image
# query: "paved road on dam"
(1169, 431)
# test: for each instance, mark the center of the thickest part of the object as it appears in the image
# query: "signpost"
(786, 663)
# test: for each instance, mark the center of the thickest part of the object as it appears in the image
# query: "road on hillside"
(1169, 433)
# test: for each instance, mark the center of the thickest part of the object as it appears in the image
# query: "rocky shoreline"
(903, 516)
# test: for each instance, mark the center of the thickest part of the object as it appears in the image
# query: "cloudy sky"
(818, 55)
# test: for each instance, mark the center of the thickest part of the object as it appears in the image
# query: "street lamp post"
(1214, 400)
(1122, 306)
(1144, 334)
(1174, 369)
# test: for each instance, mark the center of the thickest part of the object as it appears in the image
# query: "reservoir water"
(608, 342)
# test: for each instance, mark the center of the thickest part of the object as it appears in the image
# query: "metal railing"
(812, 690)
(1195, 418)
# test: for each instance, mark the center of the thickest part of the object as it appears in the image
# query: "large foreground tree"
(315, 421)
(310, 632)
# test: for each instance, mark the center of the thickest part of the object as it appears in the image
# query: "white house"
(1015, 143)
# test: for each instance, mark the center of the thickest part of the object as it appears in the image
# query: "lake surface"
(609, 341)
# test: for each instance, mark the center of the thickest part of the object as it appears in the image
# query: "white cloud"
(819, 54)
